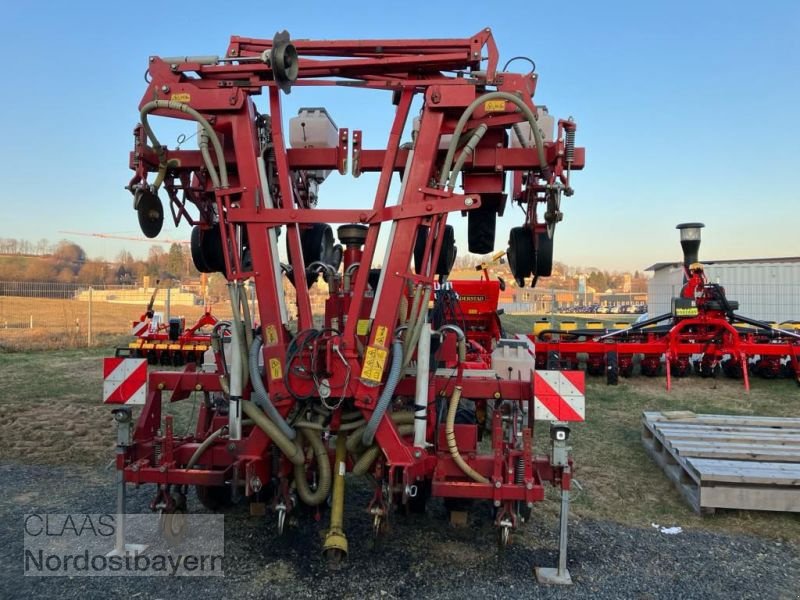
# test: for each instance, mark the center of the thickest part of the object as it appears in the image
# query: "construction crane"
(126, 237)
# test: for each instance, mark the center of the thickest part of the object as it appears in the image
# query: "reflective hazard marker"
(124, 380)
(559, 395)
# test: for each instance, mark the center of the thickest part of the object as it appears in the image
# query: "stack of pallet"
(726, 461)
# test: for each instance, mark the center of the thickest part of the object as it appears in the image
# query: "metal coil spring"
(569, 149)
(157, 445)
(519, 470)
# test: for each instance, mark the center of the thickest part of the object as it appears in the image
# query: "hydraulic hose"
(350, 426)
(286, 445)
(205, 445)
(469, 148)
(185, 108)
(451, 439)
(248, 318)
(412, 335)
(238, 335)
(462, 339)
(398, 418)
(462, 122)
(318, 496)
(365, 461)
(260, 392)
(386, 395)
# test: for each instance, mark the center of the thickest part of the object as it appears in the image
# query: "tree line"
(66, 262)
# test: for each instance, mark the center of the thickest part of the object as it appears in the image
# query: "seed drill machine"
(387, 383)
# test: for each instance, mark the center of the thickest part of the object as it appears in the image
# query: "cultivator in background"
(702, 333)
(389, 386)
(169, 343)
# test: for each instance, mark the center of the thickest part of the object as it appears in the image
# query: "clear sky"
(688, 110)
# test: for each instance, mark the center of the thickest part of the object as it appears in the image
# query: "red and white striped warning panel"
(124, 380)
(140, 327)
(559, 395)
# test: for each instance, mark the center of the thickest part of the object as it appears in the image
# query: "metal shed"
(766, 288)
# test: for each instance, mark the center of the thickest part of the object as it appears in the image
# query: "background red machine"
(389, 383)
(702, 332)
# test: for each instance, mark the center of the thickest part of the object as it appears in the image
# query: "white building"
(766, 288)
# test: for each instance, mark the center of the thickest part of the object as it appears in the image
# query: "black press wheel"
(521, 254)
(481, 226)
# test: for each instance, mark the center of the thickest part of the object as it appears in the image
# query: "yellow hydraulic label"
(362, 327)
(374, 363)
(182, 97)
(275, 370)
(380, 335)
(271, 335)
(686, 312)
(494, 106)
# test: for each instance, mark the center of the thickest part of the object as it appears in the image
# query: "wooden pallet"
(725, 461)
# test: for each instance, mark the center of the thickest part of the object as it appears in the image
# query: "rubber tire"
(521, 254)
(544, 255)
(481, 228)
(198, 258)
(447, 256)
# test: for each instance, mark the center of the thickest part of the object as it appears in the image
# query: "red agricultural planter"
(702, 333)
(392, 384)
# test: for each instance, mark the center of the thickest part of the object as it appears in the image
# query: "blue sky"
(688, 111)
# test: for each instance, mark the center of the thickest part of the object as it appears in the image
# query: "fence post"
(89, 325)
(167, 303)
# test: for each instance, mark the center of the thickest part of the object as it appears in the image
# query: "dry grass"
(51, 412)
(59, 324)
(621, 483)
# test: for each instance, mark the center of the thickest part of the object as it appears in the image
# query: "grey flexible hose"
(185, 108)
(318, 496)
(286, 445)
(466, 153)
(386, 395)
(462, 122)
(260, 392)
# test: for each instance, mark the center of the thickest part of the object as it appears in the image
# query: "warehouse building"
(766, 288)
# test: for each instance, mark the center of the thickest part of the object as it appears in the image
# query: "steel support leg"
(560, 575)
(123, 419)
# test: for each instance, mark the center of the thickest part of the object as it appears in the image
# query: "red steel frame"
(223, 93)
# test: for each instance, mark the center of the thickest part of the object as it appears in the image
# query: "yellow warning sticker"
(380, 335)
(271, 335)
(374, 363)
(362, 327)
(275, 370)
(182, 97)
(494, 106)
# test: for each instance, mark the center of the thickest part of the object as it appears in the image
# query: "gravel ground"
(423, 555)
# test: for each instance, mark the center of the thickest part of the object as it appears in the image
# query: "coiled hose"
(318, 496)
(451, 439)
(287, 446)
(386, 396)
(260, 392)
